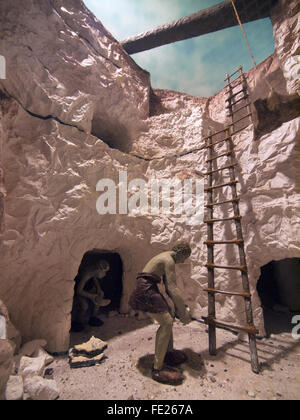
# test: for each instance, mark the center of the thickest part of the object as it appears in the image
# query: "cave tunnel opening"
(84, 310)
(279, 290)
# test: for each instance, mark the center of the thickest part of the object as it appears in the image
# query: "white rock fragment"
(31, 366)
(48, 358)
(14, 388)
(251, 394)
(2, 327)
(6, 363)
(41, 389)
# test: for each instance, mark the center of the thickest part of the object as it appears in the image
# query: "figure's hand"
(97, 300)
(187, 317)
(172, 312)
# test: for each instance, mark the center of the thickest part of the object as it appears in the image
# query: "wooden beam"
(213, 19)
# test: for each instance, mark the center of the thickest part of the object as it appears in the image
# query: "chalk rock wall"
(62, 62)
(72, 92)
(286, 34)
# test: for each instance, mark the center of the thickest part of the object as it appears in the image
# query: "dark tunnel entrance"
(279, 290)
(111, 284)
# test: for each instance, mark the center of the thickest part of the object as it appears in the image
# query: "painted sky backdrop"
(196, 66)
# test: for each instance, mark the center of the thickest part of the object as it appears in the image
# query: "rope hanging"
(244, 33)
(273, 98)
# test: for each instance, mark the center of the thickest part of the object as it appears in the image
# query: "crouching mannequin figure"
(147, 298)
(88, 295)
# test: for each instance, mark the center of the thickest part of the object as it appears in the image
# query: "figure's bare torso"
(157, 265)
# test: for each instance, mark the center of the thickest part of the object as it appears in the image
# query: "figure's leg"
(163, 342)
(79, 313)
(164, 337)
(171, 342)
(174, 357)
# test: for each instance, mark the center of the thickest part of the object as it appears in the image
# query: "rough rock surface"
(31, 366)
(89, 93)
(6, 364)
(286, 33)
(14, 388)
(11, 333)
(40, 389)
(71, 68)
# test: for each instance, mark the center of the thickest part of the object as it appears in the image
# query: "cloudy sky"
(196, 66)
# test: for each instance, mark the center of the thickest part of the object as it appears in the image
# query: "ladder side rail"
(210, 259)
(244, 274)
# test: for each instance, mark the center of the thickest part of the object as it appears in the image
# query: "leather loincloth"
(146, 296)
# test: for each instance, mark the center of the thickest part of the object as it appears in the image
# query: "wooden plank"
(214, 187)
(226, 219)
(217, 142)
(219, 156)
(224, 292)
(220, 169)
(227, 267)
(250, 329)
(222, 202)
(234, 241)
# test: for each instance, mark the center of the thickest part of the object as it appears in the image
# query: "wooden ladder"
(237, 102)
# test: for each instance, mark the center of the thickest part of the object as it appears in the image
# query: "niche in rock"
(279, 291)
(113, 133)
(111, 285)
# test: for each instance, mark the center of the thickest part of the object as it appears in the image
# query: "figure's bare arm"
(81, 287)
(98, 288)
(174, 293)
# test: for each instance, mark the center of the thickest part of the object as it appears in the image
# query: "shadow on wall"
(275, 111)
(279, 290)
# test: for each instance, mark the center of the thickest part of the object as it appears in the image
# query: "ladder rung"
(228, 267)
(234, 200)
(239, 100)
(241, 129)
(209, 221)
(240, 69)
(220, 169)
(242, 118)
(223, 292)
(236, 93)
(234, 241)
(220, 186)
(215, 133)
(217, 142)
(250, 329)
(234, 83)
(239, 109)
(217, 157)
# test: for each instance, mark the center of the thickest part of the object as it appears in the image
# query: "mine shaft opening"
(100, 273)
(279, 290)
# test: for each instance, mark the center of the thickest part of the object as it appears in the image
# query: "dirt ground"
(126, 372)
